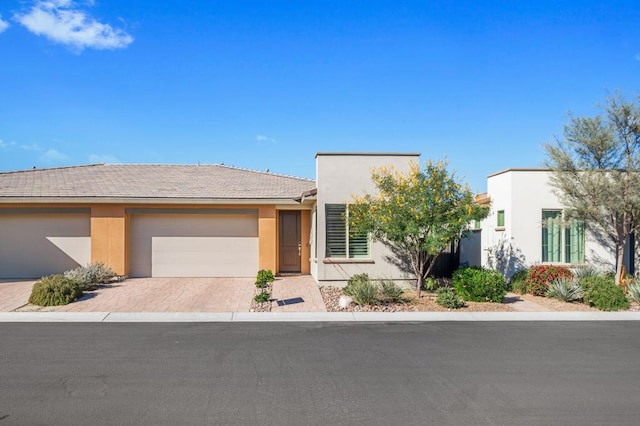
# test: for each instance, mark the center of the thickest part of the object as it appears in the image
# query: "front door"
(290, 241)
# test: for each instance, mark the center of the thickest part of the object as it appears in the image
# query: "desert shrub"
(364, 293)
(479, 285)
(539, 277)
(633, 290)
(447, 298)
(354, 281)
(565, 289)
(262, 297)
(91, 275)
(585, 271)
(604, 294)
(597, 280)
(517, 281)
(55, 290)
(264, 277)
(390, 291)
(430, 283)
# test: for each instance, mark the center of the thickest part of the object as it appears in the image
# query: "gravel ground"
(557, 305)
(426, 303)
(262, 307)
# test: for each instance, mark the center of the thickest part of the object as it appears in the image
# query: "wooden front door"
(290, 248)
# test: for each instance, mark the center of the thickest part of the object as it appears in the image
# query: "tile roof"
(151, 181)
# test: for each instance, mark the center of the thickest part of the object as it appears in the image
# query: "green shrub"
(633, 291)
(539, 277)
(364, 293)
(55, 290)
(446, 297)
(264, 277)
(390, 291)
(604, 294)
(262, 297)
(354, 281)
(597, 280)
(91, 275)
(565, 289)
(517, 281)
(479, 285)
(430, 283)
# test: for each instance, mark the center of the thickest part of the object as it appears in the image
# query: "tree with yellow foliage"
(418, 213)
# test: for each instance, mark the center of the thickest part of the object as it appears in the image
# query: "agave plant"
(633, 291)
(585, 271)
(565, 289)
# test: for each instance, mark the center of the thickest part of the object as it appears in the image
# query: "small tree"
(596, 172)
(418, 213)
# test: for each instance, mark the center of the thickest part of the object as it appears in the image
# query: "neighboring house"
(191, 220)
(153, 220)
(527, 226)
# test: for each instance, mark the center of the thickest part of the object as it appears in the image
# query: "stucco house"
(191, 220)
(526, 227)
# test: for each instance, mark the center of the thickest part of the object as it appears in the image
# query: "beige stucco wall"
(110, 237)
(339, 177)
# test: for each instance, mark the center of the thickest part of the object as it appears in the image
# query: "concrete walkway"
(297, 294)
(14, 294)
(314, 316)
(521, 305)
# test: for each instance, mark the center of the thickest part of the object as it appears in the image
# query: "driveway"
(174, 295)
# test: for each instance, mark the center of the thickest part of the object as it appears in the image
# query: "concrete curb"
(313, 316)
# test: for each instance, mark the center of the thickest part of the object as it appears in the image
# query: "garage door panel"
(197, 257)
(33, 245)
(200, 245)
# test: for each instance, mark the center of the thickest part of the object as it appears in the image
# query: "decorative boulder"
(345, 302)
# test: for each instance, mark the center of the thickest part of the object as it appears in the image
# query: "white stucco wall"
(523, 195)
(338, 178)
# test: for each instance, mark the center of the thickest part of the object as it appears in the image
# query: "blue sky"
(268, 84)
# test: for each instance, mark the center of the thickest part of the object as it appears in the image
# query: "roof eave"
(139, 200)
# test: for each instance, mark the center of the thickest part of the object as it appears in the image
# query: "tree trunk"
(619, 263)
(419, 284)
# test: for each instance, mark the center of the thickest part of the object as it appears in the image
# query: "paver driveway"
(175, 295)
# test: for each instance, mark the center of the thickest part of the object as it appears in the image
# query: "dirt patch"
(426, 303)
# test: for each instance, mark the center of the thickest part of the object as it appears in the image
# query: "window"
(500, 223)
(476, 224)
(562, 241)
(341, 243)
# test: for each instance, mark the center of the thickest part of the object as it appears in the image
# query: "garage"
(194, 243)
(39, 242)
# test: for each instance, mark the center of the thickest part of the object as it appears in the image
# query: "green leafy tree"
(595, 172)
(417, 213)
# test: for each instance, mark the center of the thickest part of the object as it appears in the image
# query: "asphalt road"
(563, 373)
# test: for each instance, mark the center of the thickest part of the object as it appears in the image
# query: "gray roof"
(180, 183)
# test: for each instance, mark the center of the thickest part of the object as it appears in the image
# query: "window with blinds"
(341, 242)
(558, 233)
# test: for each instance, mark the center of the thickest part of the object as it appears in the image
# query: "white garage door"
(34, 245)
(194, 245)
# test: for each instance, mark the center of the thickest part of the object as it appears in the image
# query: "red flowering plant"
(539, 277)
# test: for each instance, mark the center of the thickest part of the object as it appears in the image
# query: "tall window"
(562, 241)
(341, 242)
(500, 221)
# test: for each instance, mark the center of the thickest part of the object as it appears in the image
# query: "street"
(441, 373)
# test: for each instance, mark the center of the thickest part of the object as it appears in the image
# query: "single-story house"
(527, 226)
(222, 221)
(191, 220)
